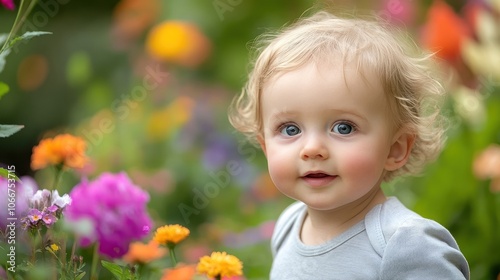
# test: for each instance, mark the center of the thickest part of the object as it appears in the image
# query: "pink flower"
(9, 4)
(486, 165)
(112, 211)
(34, 215)
(49, 219)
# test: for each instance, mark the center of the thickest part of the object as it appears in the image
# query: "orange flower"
(220, 264)
(444, 31)
(139, 252)
(178, 42)
(65, 149)
(180, 272)
(132, 17)
(487, 166)
(170, 234)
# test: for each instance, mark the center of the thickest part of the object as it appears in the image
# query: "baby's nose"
(314, 148)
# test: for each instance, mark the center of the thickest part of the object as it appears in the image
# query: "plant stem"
(171, 250)
(95, 258)
(142, 272)
(18, 22)
(73, 248)
(58, 177)
(34, 244)
(42, 249)
(62, 254)
(13, 29)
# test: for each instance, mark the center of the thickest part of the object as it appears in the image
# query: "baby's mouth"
(318, 179)
(316, 175)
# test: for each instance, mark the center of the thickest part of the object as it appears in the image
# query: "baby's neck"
(320, 226)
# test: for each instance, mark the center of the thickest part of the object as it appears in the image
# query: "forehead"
(332, 85)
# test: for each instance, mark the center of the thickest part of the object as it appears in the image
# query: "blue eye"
(290, 130)
(343, 128)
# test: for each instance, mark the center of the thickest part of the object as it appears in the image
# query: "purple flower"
(22, 191)
(115, 209)
(49, 219)
(34, 215)
(52, 208)
(9, 4)
(46, 206)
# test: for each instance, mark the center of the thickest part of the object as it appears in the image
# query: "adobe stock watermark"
(121, 107)
(223, 6)
(40, 18)
(220, 180)
(11, 218)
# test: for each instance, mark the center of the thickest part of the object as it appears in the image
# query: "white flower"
(45, 198)
(60, 201)
(40, 199)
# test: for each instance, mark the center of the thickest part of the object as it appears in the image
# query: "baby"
(338, 107)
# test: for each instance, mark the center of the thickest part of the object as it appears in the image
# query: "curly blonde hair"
(412, 90)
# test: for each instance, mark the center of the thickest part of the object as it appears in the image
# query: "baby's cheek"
(362, 166)
(277, 170)
(281, 165)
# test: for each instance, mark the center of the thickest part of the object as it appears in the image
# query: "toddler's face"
(326, 137)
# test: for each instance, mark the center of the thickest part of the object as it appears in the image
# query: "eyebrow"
(283, 114)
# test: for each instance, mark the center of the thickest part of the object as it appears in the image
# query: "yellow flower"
(139, 252)
(65, 149)
(178, 42)
(54, 247)
(220, 264)
(170, 234)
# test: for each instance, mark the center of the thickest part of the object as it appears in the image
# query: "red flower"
(444, 31)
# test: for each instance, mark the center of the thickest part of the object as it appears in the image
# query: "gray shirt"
(392, 242)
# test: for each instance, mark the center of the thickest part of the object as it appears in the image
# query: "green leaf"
(8, 174)
(4, 88)
(5, 50)
(80, 276)
(3, 55)
(26, 36)
(7, 130)
(3, 38)
(115, 269)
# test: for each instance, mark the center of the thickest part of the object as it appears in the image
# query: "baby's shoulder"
(285, 222)
(391, 223)
(413, 247)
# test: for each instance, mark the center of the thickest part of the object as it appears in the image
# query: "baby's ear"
(400, 150)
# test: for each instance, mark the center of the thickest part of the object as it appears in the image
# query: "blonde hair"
(411, 89)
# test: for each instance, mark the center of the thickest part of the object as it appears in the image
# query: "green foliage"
(91, 89)
(7, 130)
(26, 36)
(8, 174)
(119, 272)
(4, 88)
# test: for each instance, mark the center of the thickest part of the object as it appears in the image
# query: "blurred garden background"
(147, 83)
